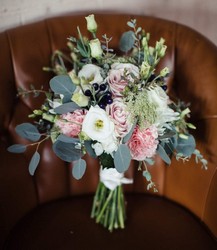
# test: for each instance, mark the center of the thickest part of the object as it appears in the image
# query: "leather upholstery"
(192, 60)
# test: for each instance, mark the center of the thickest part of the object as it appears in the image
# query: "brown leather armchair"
(52, 210)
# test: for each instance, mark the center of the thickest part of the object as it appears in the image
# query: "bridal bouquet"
(114, 108)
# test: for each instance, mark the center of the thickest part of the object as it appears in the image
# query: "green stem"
(120, 207)
(104, 206)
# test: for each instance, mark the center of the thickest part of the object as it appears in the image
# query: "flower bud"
(37, 112)
(80, 99)
(91, 23)
(144, 71)
(74, 77)
(161, 48)
(95, 48)
(164, 72)
(48, 117)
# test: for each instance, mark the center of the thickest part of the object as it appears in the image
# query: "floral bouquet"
(114, 108)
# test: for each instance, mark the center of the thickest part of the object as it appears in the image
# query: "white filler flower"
(97, 125)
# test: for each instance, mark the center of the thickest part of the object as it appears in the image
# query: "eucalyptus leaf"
(62, 84)
(17, 148)
(122, 158)
(128, 136)
(66, 107)
(67, 139)
(28, 131)
(130, 24)
(89, 149)
(78, 169)
(127, 41)
(186, 146)
(34, 163)
(67, 151)
(163, 154)
(147, 175)
(168, 134)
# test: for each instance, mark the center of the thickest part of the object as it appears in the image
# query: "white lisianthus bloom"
(98, 125)
(161, 100)
(91, 73)
(95, 48)
(91, 23)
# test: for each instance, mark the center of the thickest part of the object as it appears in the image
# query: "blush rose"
(143, 143)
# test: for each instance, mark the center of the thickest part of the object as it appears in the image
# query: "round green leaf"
(17, 148)
(28, 131)
(122, 158)
(78, 169)
(34, 163)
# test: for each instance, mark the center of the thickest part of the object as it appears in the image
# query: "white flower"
(97, 148)
(91, 73)
(111, 178)
(91, 23)
(95, 48)
(161, 100)
(97, 125)
(110, 145)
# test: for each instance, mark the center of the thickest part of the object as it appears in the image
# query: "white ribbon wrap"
(111, 178)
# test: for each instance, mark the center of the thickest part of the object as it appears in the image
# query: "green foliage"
(163, 154)
(128, 136)
(28, 131)
(186, 147)
(17, 148)
(122, 158)
(66, 107)
(68, 152)
(34, 163)
(78, 169)
(106, 160)
(89, 149)
(127, 41)
(63, 84)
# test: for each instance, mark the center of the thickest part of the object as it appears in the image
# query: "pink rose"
(120, 116)
(70, 123)
(143, 143)
(115, 77)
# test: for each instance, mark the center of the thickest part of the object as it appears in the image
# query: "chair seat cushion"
(152, 223)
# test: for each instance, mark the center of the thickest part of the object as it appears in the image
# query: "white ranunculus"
(97, 125)
(91, 73)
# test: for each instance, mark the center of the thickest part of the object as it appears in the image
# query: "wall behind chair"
(198, 14)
